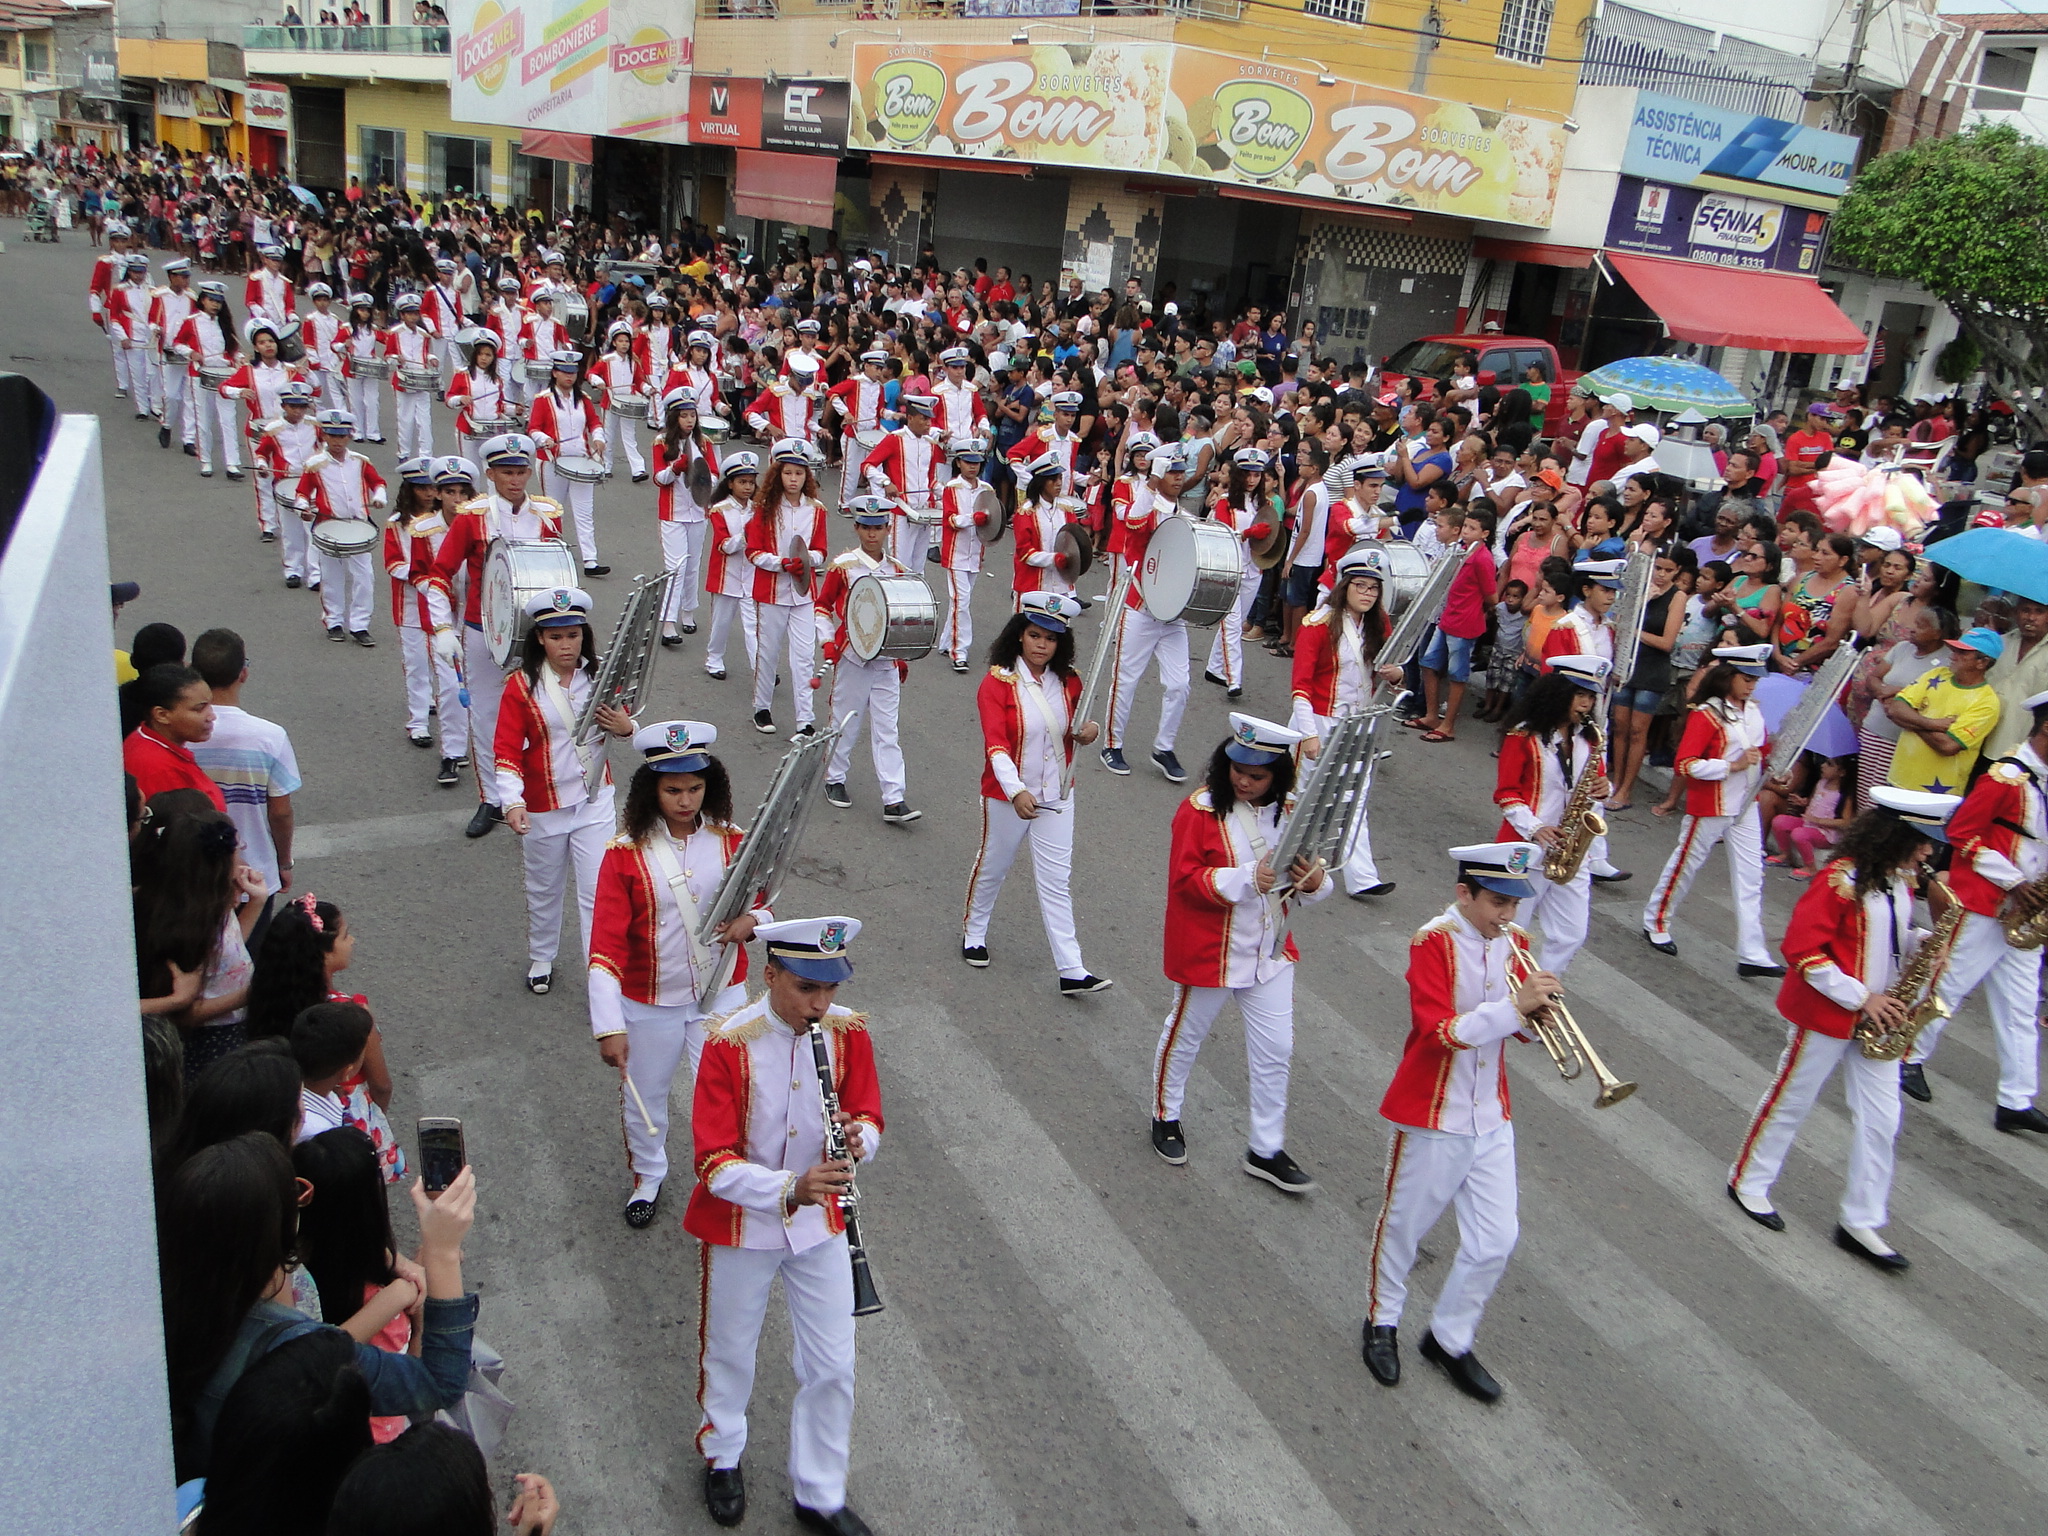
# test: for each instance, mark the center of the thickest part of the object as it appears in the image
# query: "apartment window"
(35, 58)
(458, 165)
(384, 157)
(1525, 30)
(1337, 10)
(2003, 78)
(6, 50)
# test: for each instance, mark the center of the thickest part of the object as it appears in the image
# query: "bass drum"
(891, 617)
(1403, 571)
(573, 310)
(716, 429)
(514, 570)
(1191, 572)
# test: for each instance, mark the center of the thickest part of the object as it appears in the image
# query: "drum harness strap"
(557, 700)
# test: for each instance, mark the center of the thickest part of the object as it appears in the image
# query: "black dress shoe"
(1662, 946)
(597, 570)
(1211, 677)
(1384, 888)
(1769, 1219)
(689, 628)
(487, 816)
(2028, 1119)
(841, 1522)
(725, 1495)
(1280, 1171)
(1168, 1141)
(1913, 1084)
(670, 642)
(639, 1214)
(542, 984)
(163, 437)
(975, 955)
(293, 583)
(1890, 1262)
(448, 775)
(1465, 1371)
(1744, 968)
(1614, 879)
(1383, 1354)
(1081, 986)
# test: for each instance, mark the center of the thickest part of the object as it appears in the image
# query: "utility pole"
(1845, 111)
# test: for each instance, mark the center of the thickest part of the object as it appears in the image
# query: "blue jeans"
(1642, 700)
(1450, 654)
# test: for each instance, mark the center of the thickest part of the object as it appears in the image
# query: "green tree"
(1967, 219)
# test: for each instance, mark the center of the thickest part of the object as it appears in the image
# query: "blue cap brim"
(826, 968)
(1746, 668)
(559, 620)
(1252, 757)
(689, 762)
(1046, 622)
(1518, 886)
(871, 520)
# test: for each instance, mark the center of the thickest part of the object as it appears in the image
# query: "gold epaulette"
(722, 1027)
(1002, 674)
(477, 504)
(1319, 616)
(1440, 924)
(2007, 772)
(622, 841)
(841, 1021)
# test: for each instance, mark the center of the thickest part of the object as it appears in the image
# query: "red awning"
(796, 189)
(1730, 307)
(543, 145)
(1534, 252)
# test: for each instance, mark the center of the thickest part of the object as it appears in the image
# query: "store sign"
(807, 116)
(267, 105)
(102, 74)
(1020, 8)
(173, 99)
(614, 67)
(1162, 109)
(1653, 219)
(213, 106)
(1679, 142)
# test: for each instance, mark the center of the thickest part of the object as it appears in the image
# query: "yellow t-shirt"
(124, 669)
(1918, 766)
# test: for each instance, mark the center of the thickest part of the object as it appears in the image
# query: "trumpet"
(1562, 1036)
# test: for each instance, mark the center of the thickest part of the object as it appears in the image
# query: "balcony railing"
(969, 10)
(317, 39)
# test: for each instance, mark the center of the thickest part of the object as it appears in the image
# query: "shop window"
(1337, 10)
(1525, 30)
(2011, 71)
(383, 156)
(458, 165)
(534, 183)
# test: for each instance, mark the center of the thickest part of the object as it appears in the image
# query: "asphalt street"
(1079, 1338)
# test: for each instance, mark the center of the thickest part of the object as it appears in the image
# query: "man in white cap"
(442, 306)
(1552, 746)
(958, 407)
(1851, 933)
(1059, 439)
(787, 406)
(268, 293)
(339, 483)
(410, 345)
(319, 332)
(871, 690)
(564, 423)
(1227, 908)
(1473, 987)
(2000, 838)
(1639, 450)
(908, 466)
(1140, 636)
(862, 402)
(169, 308)
(771, 1200)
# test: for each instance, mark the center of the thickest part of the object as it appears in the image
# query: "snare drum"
(212, 376)
(1403, 570)
(922, 508)
(492, 426)
(515, 570)
(538, 370)
(342, 537)
(577, 467)
(633, 407)
(869, 439)
(716, 429)
(891, 618)
(369, 367)
(1191, 572)
(418, 378)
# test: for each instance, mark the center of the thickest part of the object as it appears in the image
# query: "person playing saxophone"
(2000, 874)
(1850, 941)
(1551, 779)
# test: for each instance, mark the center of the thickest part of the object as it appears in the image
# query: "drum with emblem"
(427, 377)
(579, 467)
(492, 426)
(514, 571)
(538, 371)
(890, 617)
(342, 537)
(1191, 571)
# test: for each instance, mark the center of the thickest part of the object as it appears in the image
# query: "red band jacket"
(1715, 735)
(468, 542)
(1219, 927)
(2000, 832)
(1839, 948)
(1018, 751)
(1453, 1074)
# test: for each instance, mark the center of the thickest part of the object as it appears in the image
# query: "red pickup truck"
(1503, 361)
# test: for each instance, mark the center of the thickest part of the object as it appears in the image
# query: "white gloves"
(448, 647)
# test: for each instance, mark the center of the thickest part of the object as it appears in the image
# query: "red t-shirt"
(159, 765)
(1804, 445)
(1464, 615)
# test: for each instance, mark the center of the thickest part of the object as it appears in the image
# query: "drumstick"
(626, 1078)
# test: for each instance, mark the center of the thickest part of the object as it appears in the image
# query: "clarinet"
(866, 1299)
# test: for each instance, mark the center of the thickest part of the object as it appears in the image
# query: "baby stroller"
(42, 220)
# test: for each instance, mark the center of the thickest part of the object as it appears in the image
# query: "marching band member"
(652, 984)
(728, 573)
(1358, 517)
(786, 510)
(507, 321)
(126, 314)
(906, 466)
(455, 481)
(360, 342)
(685, 467)
(1720, 756)
(281, 450)
(618, 374)
(862, 402)
(340, 483)
(806, 358)
(563, 422)
(540, 771)
(1850, 936)
(1137, 450)
(788, 407)
(1057, 440)
(1026, 704)
(1335, 671)
(505, 511)
(320, 332)
(1221, 923)
(1248, 510)
(958, 409)
(2000, 837)
(694, 371)
(767, 1203)
(441, 308)
(256, 385)
(481, 391)
(207, 340)
(169, 309)
(1038, 566)
(1588, 631)
(1472, 985)
(417, 506)
(106, 272)
(411, 344)
(268, 293)
(1140, 636)
(654, 342)
(960, 548)
(872, 688)
(1542, 758)
(542, 335)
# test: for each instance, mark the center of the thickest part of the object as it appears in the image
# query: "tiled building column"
(903, 200)
(1101, 211)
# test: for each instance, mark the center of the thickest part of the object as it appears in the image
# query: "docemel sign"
(1188, 112)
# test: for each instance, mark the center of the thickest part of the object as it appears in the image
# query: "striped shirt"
(251, 760)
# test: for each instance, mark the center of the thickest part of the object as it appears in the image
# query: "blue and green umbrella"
(1667, 384)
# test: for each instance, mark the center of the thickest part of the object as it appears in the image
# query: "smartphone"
(441, 1151)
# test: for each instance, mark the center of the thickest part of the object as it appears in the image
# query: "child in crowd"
(1823, 820)
(1504, 675)
(328, 1041)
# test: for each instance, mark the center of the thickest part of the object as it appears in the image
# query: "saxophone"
(1917, 987)
(1581, 823)
(2026, 915)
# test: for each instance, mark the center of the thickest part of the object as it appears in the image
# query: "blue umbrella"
(307, 198)
(1775, 695)
(1668, 384)
(1998, 558)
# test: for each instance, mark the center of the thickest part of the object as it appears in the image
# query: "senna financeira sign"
(1169, 110)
